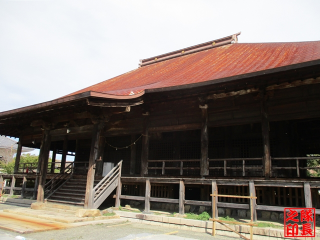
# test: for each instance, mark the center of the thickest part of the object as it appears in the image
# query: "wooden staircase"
(72, 192)
(73, 188)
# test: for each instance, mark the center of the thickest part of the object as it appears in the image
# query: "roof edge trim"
(188, 50)
(69, 99)
(236, 77)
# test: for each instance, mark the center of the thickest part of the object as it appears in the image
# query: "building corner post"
(18, 156)
(204, 161)
(89, 195)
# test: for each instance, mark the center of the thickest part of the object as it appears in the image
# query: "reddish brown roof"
(207, 65)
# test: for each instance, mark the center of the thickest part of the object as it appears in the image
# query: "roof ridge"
(188, 50)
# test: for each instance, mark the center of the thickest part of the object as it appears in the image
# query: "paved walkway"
(17, 223)
(122, 231)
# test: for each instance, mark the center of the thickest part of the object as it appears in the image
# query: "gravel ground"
(122, 231)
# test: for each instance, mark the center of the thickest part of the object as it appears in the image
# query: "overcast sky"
(51, 48)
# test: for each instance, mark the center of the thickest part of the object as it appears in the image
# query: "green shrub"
(109, 214)
(227, 218)
(203, 216)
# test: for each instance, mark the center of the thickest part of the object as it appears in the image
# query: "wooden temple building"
(239, 118)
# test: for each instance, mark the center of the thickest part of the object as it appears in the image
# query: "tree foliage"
(25, 158)
(314, 163)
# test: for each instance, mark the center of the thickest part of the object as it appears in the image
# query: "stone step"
(61, 193)
(65, 202)
(63, 211)
(62, 206)
(74, 185)
(68, 198)
(58, 217)
(76, 191)
(73, 188)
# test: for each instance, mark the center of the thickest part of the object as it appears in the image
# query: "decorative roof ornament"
(196, 48)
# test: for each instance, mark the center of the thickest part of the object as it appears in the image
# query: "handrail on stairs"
(103, 189)
(58, 181)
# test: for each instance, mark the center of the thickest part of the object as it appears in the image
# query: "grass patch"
(266, 224)
(10, 196)
(126, 210)
(109, 214)
(227, 218)
(203, 216)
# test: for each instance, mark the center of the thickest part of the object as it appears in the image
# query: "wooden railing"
(243, 166)
(181, 166)
(12, 186)
(81, 167)
(105, 187)
(163, 168)
(58, 181)
(297, 164)
(28, 168)
(31, 168)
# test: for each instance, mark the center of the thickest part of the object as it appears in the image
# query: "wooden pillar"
(24, 185)
(266, 141)
(182, 194)
(97, 129)
(36, 181)
(17, 161)
(1, 184)
(176, 143)
(118, 193)
(53, 158)
(204, 163)
(307, 195)
(13, 183)
(214, 189)
(44, 155)
(133, 155)
(252, 192)
(77, 150)
(145, 148)
(147, 197)
(99, 164)
(64, 154)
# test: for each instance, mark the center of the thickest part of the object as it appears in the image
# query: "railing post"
(147, 196)
(252, 191)
(23, 189)
(225, 168)
(119, 188)
(214, 189)
(298, 169)
(181, 197)
(243, 168)
(307, 195)
(163, 167)
(181, 168)
(214, 213)
(13, 183)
